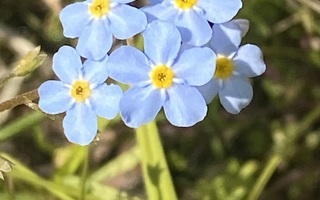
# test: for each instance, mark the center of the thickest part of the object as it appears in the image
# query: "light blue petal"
(128, 65)
(80, 124)
(244, 25)
(54, 97)
(249, 61)
(153, 2)
(139, 106)
(236, 94)
(67, 64)
(95, 41)
(194, 29)
(74, 18)
(105, 100)
(195, 66)
(218, 11)
(226, 38)
(161, 42)
(184, 106)
(164, 11)
(96, 71)
(122, 1)
(126, 21)
(210, 90)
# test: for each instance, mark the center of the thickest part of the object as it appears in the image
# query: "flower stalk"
(157, 178)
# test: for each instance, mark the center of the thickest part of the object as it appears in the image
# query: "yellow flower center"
(80, 90)
(186, 4)
(99, 8)
(162, 76)
(224, 68)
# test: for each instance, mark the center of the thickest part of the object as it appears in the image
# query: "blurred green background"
(268, 151)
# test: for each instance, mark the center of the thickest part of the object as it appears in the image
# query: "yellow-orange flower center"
(99, 8)
(162, 76)
(80, 90)
(185, 4)
(224, 68)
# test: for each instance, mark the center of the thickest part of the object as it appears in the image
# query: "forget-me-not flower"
(234, 65)
(192, 16)
(162, 77)
(96, 21)
(82, 93)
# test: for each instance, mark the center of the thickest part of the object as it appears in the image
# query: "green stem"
(24, 174)
(20, 124)
(264, 177)
(84, 175)
(156, 173)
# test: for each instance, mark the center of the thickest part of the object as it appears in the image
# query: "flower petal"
(74, 18)
(161, 42)
(80, 124)
(236, 94)
(194, 28)
(209, 90)
(244, 25)
(196, 66)
(122, 1)
(54, 97)
(128, 65)
(164, 11)
(226, 38)
(217, 11)
(184, 106)
(139, 106)
(249, 61)
(153, 2)
(95, 41)
(126, 21)
(96, 71)
(105, 100)
(67, 64)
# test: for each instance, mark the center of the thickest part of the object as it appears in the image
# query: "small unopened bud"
(5, 166)
(29, 62)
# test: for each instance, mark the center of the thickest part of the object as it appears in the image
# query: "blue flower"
(234, 65)
(96, 21)
(192, 16)
(162, 77)
(82, 93)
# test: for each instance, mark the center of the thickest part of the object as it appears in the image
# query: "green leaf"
(156, 173)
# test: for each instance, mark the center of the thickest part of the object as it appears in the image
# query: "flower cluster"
(191, 54)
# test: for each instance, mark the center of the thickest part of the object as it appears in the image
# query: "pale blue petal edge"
(195, 66)
(67, 64)
(162, 42)
(128, 65)
(80, 124)
(95, 41)
(96, 72)
(236, 94)
(184, 106)
(194, 29)
(139, 106)
(210, 90)
(126, 21)
(74, 18)
(249, 61)
(105, 100)
(54, 97)
(219, 11)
